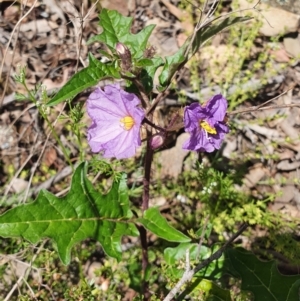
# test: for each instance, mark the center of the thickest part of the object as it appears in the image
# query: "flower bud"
(157, 140)
(125, 56)
(121, 49)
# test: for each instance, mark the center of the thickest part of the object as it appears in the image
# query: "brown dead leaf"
(30, 3)
(256, 173)
(287, 165)
(286, 194)
(11, 13)
(291, 132)
(120, 5)
(280, 55)
(286, 154)
(50, 156)
(182, 15)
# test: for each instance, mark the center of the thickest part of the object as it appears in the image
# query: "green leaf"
(207, 32)
(85, 78)
(262, 278)
(178, 59)
(116, 28)
(157, 224)
(144, 63)
(148, 73)
(212, 291)
(20, 96)
(171, 66)
(82, 213)
(174, 255)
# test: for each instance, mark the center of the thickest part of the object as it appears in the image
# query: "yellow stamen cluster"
(128, 122)
(209, 129)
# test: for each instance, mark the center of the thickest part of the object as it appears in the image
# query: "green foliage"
(83, 291)
(175, 61)
(83, 79)
(175, 258)
(156, 223)
(261, 278)
(225, 205)
(281, 239)
(83, 213)
(105, 216)
(116, 28)
(211, 291)
(207, 32)
(172, 64)
(147, 73)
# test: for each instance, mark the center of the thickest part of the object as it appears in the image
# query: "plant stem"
(144, 96)
(147, 171)
(145, 206)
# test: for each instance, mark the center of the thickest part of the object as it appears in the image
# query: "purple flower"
(116, 117)
(206, 124)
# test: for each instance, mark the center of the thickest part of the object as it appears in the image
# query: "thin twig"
(35, 166)
(25, 274)
(259, 108)
(157, 127)
(144, 96)
(156, 101)
(6, 49)
(32, 153)
(187, 260)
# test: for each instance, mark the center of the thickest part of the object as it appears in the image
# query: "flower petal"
(216, 107)
(198, 141)
(107, 133)
(206, 124)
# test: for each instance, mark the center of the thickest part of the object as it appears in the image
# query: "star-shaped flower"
(116, 121)
(206, 124)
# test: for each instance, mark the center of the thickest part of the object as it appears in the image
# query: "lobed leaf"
(116, 28)
(157, 224)
(82, 213)
(262, 278)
